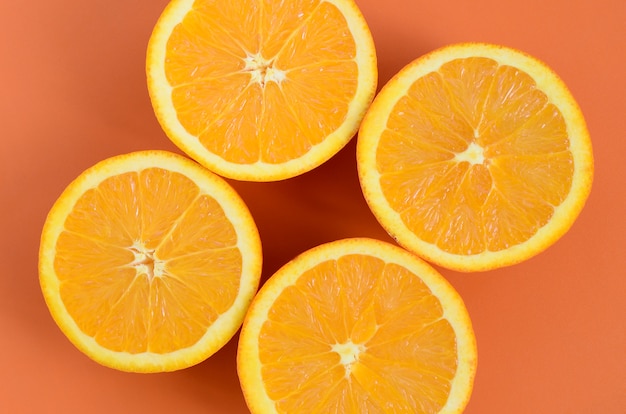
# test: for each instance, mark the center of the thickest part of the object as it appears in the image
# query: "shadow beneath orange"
(323, 205)
(214, 383)
(397, 47)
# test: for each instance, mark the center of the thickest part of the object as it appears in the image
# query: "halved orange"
(148, 262)
(261, 90)
(357, 326)
(475, 156)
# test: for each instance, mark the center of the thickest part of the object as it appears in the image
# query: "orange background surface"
(551, 331)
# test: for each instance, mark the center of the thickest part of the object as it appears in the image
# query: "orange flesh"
(257, 83)
(146, 262)
(357, 335)
(474, 158)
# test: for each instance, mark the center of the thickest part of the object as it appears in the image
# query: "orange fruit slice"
(475, 156)
(148, 262)
(357, 326)
(261, 91)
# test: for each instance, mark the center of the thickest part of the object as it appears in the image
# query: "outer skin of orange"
(148, 262)
(354, 326)
(261, 91)
(467, 193)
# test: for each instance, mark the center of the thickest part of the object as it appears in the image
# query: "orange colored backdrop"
(551, 331)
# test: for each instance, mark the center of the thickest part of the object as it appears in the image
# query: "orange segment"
(354, 326)
(261, 90)
(475, 156)
(148, 262)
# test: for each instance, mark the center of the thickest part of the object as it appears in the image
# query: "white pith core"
(348, 354)
(263, 70)
(472, 154)
(145, 261)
